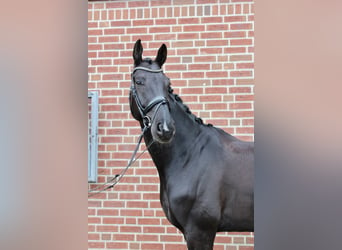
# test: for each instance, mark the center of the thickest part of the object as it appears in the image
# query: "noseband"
(158, 101)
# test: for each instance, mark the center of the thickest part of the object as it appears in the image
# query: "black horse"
(206, 175)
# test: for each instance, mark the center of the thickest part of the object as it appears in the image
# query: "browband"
(148, 70)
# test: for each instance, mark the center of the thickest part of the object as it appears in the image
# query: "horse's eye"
(139, 82)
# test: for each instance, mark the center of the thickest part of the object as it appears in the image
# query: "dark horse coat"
(206, 175)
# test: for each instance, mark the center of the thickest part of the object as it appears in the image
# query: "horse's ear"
(137, 52)
(161, 56)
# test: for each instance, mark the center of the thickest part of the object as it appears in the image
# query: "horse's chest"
(169, 208)
(176, 201)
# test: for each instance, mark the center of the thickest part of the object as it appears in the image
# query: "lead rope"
(113, 181)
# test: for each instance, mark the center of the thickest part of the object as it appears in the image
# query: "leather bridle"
(157, 101)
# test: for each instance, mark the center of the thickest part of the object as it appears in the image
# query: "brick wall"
(210, 64)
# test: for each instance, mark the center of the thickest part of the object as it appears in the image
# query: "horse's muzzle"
(165, 132)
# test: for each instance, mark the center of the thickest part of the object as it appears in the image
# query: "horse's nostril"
(163, 130)
(160, 127)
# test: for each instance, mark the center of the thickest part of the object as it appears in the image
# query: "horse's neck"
(187, 130)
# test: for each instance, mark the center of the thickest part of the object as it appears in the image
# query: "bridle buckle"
(147, 121)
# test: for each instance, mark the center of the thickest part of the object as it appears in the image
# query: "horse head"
(149, 96)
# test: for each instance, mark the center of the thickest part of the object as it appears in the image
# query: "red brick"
(241, 26)
(137, 204)
(132, 4)
(107, 212)
(175, 67)
(156, 29)
(146, 171)
(120, 23)
(245, 65)
(93, 32)
(224, 114)
(186, 36)
(230, 50)
(113, 76)
(211, 50)
(182, 44)
(247, 122)
(130, 196)
(117, 245)
(130, 229)
(136, 30)
(193, 74)
(188, 20)
(214, 74)
(149, 221)
(234, 34)
(154, 229)
(215, 27)
(174, 246)
(161, 3)
(199, 67)
(114, 31)
(146, 237)
(206, 59)
(142, 22)
(230, 19)
(245, 130)
(184, 2)
(106, 228)
(241, 73)
(186, 51)
(101, 61)
(221, 42)
(193, 28)
(223, 82)
(165, 21)
(149, 188)
(108, 54)
(210, 98)
(213, 19)
(110, 5)
(96, 244)
(113, 221)
(171, 238)
(216, 90)
(94, 47)
(114, 204)
(246, 248)
(209, 35)
(244, 114)
(152, 196)
(236, 42)
(164, 37)
(240, 106)
(239, 90)
(154, 179)
(152, 246)
(240, 58)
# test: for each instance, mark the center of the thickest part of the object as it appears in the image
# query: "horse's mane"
(187, 109)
